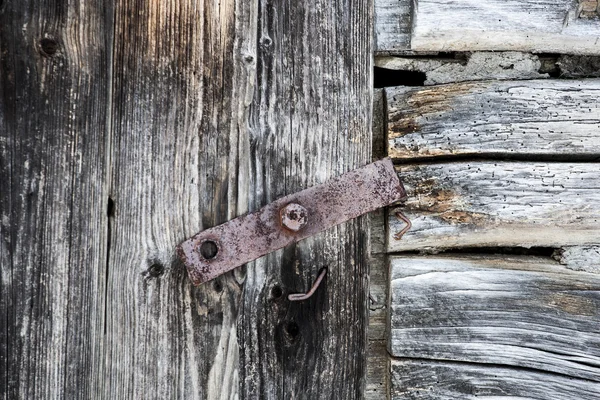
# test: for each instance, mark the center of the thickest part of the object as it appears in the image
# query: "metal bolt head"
(294, 217)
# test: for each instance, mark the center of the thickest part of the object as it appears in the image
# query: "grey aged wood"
(509, 118)
(182, 87)
(507, 311)
(310, 120)
(553, 26)
(477, 66)
(54, 91)
(393, 23)
(434, 380)
(141, 125)
(487, 204)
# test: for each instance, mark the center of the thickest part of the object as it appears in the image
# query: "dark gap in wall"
(549, 64)
(384, 77)
(503, 251)
(491, 157)
(513, 251)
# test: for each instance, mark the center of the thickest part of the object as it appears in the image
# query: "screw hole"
(218, 286)
(209, 249)
(49, 47)
(276, 292)
(293, 329)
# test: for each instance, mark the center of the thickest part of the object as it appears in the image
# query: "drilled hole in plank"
(209, 249)
(48, 47)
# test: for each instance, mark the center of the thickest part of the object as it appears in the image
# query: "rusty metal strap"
(215, 251)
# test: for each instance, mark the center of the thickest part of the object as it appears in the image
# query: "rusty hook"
(404, 218)
(304, 296)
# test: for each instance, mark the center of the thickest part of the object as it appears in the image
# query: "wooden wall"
(494, 291)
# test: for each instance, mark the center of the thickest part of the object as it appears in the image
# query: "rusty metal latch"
(217, 250)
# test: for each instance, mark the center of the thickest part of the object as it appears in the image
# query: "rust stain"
(463, 217)
(428, 196)
(419, 103)
(403, 126)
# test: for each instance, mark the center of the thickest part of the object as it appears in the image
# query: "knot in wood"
(294, 217)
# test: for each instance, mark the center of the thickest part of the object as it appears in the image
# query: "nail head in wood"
(294, 217)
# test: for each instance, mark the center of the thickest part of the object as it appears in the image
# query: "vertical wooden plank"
(311, 120)
(377, 383)
(54, 80)
(182, 86)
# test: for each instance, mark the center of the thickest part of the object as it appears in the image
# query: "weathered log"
(477, 66)
(511, 118)
(488, 204)
(553, 26)
(435, 380)
(508, 311)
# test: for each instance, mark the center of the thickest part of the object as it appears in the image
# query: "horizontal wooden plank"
(392, 25)
(539, 117)
(522, 25)
(477, 66)
(511, 311)
(433, 380)
(483, 204)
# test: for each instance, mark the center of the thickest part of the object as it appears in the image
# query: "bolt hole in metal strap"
(217, 250)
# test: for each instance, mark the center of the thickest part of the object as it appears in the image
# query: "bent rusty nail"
(304, 296)
(404, 218)
(290, 219)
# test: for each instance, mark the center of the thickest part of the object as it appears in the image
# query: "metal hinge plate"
(217, 250)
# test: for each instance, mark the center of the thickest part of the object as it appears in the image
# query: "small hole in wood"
(218, 286)
(209, 249)
(156, 270)
(49, 47)
(276, 292)
(293, 329)
(110, 208)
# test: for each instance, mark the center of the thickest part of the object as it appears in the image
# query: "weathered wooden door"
(126, 126)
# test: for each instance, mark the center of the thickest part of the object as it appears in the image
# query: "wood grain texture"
(551, 26)
(183, 81)
(54, 88)
(393, 23)
(507, 311)
(434, 380)
(509, 118)
(488, 204)
(310, 120)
